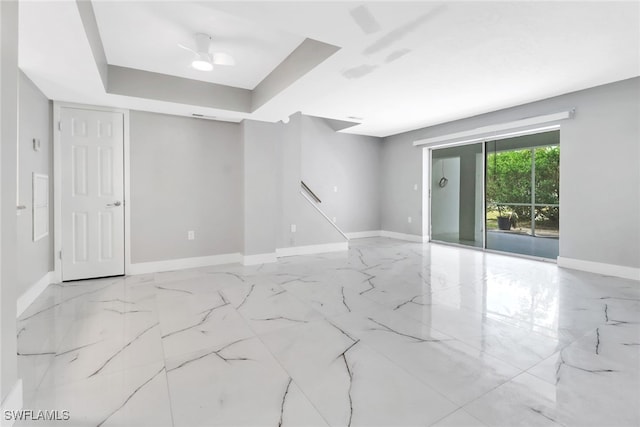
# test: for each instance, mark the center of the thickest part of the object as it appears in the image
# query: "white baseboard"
(312, 249)
(364, 234)
(56, 276)
(390, 234)
(13, 402)
(600, 268)
(34, 291)
(403, 236)
(259, 259)
(183, 263)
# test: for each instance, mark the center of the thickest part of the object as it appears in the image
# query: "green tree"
(547, 186)
(509, 181)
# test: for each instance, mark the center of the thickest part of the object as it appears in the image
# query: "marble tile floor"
(389, 334)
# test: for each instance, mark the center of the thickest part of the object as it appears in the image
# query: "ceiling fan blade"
(365, 19)
(187, 48)
(222, 58)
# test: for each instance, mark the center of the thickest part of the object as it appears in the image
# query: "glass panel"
(456, 195)
(522, 194)
(548, 175)
(508, 175)
(547, 209)
(547, 221)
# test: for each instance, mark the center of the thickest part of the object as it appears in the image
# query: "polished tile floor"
(389, 334)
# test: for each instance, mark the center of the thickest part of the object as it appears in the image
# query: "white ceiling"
(401, 66)
(145, 36)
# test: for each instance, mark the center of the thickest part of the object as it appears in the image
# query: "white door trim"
(57, 184)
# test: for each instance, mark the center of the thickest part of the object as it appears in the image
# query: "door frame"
(57, 183)
(428, 162)
(426, 198)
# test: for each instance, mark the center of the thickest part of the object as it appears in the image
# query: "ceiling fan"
(204, 59)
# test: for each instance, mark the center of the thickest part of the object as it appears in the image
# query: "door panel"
(105, 172)
(105, 220)
(79, 170)
(79, 237)
(92, 146)
(523, 197)
(456, 195)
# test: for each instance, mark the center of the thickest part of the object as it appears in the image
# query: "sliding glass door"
(522, 194)
(501, 195)
(457, 195)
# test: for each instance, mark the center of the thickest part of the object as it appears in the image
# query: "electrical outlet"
(335, 188)
(333, 219)
(293, 228)
(409, 220)
(415, 187)
(191, 235)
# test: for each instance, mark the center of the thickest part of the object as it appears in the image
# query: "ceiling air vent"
(202, 116)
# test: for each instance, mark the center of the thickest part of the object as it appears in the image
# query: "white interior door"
(92, 148)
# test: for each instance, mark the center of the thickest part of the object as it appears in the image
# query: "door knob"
(116, 203)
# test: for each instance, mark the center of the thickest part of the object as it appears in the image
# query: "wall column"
(260, 189)
(8, 171)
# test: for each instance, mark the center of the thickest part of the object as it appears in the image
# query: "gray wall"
(599, 173)
(349, 162)
(238, 185)
(311, 227)
(261, 187)
(35, 259)
(307, 148)
(400, 171)
(186, 174)
(8, 170)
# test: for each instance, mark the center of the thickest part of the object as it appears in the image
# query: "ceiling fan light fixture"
(202, 63)
(204, 58)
